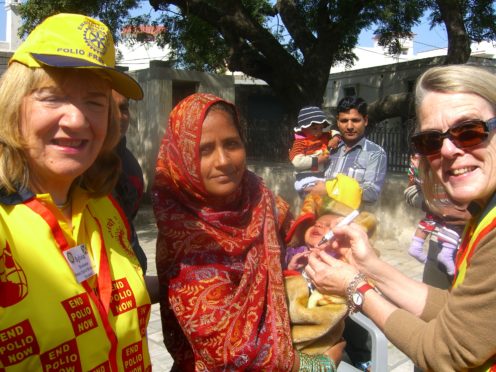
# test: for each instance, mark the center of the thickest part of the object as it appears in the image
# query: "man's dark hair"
(352, 102)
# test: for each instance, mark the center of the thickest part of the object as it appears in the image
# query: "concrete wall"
(397, 220)
(4, 61)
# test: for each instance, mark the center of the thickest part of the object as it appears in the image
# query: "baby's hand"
(319, 188)
(327, 248)
(333, 142)
(332, 252)
(323, 158)
(298, 261)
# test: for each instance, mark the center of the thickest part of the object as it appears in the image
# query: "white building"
(378, 56)
(136, 55)
(12, 24)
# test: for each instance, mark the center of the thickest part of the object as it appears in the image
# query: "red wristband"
(364, 288)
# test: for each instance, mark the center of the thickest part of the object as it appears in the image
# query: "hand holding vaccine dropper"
(345, 221)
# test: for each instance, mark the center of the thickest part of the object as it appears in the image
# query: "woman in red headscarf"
(219, 247)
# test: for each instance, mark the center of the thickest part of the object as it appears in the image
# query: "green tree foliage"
(478, 15)
(290, 44)
(464, 20)
(113, 13)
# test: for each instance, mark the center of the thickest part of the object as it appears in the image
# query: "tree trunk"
(393, 105)
(458, 40)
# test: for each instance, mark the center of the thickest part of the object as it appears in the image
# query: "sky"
(2, 20)
(424, 40)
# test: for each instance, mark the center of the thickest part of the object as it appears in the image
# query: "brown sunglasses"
(466, 134)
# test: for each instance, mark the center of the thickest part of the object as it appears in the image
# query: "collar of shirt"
(360, 143)
(15, 198)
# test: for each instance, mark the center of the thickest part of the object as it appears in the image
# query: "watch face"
(357, 299)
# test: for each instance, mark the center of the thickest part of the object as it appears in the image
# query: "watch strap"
(364, 288)
(361, 290)
(351, 289)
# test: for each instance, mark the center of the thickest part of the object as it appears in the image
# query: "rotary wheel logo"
(96, 38)
(13, 283)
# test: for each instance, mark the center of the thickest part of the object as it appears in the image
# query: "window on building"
(182, 89)
(350, 91)
(410, 84)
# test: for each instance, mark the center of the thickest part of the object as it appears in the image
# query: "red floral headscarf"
(220, 269)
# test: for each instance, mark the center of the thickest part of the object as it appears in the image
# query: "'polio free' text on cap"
(75, 41)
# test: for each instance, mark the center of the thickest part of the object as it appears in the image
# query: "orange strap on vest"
(104, 286)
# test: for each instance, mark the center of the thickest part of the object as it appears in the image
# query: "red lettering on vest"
(104, 367)
(80, 314)
(17, 343)
(122, 297)
(143, 312)
(64, 357)
(132, 358)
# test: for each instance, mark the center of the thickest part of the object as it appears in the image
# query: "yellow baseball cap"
(75, 41)
(345, 190)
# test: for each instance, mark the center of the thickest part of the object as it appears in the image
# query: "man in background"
(130, 186)
(356, 156)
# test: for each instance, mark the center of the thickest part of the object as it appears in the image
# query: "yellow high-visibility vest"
(470, 239)
(48, 320)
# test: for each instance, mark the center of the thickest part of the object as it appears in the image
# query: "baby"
(297, 257)
(316, 319)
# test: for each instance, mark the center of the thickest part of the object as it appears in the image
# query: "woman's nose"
(449, 149)
(72, 116)
(222, 156)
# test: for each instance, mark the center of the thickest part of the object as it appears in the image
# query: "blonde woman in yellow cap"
(72, 293)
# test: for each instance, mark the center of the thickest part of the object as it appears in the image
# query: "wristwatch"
(358, 295)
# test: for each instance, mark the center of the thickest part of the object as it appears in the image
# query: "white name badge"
(79, 260)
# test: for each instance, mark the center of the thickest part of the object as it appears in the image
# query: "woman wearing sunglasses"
(440, 330)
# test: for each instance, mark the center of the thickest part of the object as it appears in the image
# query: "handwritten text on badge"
(80, 262)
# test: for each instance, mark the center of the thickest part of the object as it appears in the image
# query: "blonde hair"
(18, 82)
(450, 79)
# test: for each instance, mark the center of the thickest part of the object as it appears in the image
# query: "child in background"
(316, 319)
(427, 224)
(310, 151)
(448, 236)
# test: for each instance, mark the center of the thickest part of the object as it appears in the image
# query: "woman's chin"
(463, 195)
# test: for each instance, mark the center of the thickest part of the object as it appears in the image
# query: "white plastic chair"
(379, 355)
